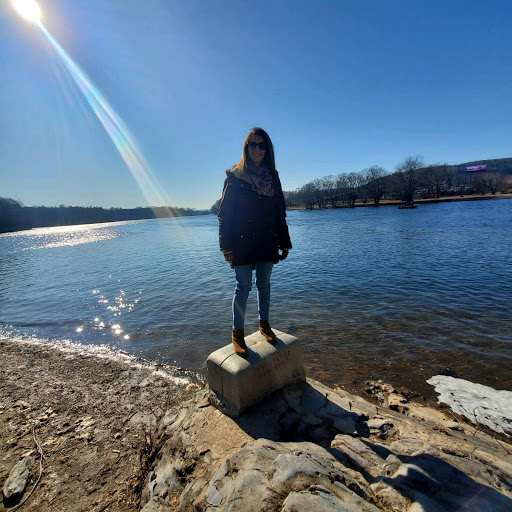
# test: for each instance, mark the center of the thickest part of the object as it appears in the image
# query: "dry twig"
(40, 450)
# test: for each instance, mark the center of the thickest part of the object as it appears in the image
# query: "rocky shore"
(98, 433)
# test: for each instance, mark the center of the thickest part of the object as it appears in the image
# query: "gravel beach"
(89, 415)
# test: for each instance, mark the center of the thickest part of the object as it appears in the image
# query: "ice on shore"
(480, 404)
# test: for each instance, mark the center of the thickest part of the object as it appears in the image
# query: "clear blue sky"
(339, 86)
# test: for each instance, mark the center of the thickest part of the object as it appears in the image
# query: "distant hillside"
(502, 165)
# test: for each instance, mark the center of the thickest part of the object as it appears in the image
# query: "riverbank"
(16, 217)
(392, 202)
(110, 431)
(89, 416)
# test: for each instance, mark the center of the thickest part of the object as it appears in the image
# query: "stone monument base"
(236, 383)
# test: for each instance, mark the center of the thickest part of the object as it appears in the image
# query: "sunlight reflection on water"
(63, 236)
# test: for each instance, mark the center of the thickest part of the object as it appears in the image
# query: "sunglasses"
(260, 145)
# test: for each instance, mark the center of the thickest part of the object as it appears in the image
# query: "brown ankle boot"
(239, 342)
(267, 332)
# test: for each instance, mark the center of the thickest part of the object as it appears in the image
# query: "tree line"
(14, 216)
(410, 180)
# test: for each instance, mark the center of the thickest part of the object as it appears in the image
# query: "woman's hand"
(284, 254)
(228, 256)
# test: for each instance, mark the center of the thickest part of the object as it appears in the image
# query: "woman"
(253, 234)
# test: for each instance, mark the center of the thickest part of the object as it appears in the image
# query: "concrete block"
(237, 383)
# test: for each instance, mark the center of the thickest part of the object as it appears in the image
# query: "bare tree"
(434, 177)
(376, 182)
(320, 192)
(331, 190)
(493, 181)
(465, 181)
(477, 182)
(307, 195)
(363, 189)
(406, 179)
(352, 191)
(291, 197)
(341, 187)
(451, 173)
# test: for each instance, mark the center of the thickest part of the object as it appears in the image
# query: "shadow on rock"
(434, 483)
(300, 412)
(398, 479)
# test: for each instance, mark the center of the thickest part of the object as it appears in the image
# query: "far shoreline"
(394, 202)
(385, 202)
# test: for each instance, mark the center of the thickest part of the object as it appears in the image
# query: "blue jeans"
(243, 274)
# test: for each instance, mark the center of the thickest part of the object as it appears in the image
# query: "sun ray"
(111, 121)
(116, 129)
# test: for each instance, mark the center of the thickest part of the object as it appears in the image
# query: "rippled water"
(372, 292)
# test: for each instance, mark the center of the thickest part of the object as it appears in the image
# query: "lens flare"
(28, 9)
(118, 132)
(111, 121)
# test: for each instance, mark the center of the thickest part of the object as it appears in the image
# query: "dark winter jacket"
(252, 225)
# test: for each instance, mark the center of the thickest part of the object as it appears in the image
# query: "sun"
(28, 9)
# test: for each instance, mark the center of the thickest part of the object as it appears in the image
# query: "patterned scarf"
(260, 179)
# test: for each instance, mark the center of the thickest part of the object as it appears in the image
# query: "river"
(373, 293)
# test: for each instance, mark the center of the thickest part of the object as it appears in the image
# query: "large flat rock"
(237, 383)
(308, 447)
